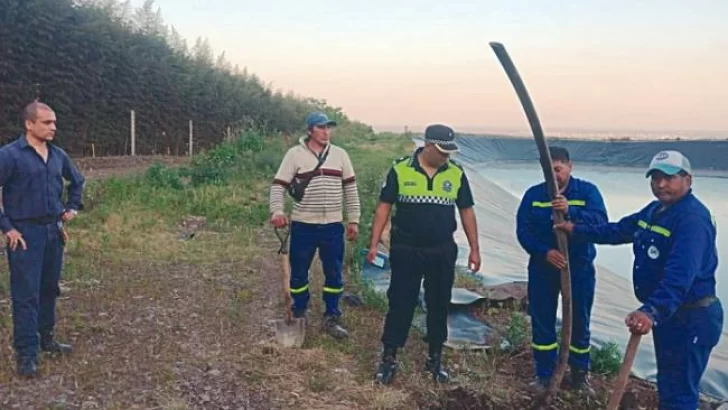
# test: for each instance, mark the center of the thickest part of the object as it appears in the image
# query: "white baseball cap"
(669, 162)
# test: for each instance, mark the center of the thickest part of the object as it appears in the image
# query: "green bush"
(606, 360)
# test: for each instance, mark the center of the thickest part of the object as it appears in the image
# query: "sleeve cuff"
(5, 225)
(651, 312)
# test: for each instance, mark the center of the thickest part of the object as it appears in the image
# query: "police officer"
(32, 171)
(426, 188)
(579, 201)
(674, 245)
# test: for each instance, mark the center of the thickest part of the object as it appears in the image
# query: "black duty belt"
(41, 221)
(700, 303)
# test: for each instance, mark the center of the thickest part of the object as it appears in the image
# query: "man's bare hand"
(67, 216)
(561, 204)
(279, 220)
(352, 231)
(372, 254)
(15, 238)
(639, 322)
(474, 260)
(556, 258)
(567, 227)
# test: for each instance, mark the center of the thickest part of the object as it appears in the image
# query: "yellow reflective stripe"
(300, 290)
(333, 290)
(544, 348)
(580, 351)
(574, 202)
(654, 228)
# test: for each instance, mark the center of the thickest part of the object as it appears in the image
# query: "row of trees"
(95, 60)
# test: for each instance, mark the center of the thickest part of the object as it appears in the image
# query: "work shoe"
(27, 367)
(580, 382)
(333, 328)
(433, 365)
(387, 367)
(50, 345)
(538, 385)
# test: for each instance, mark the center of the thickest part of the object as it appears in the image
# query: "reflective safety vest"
(414, 187)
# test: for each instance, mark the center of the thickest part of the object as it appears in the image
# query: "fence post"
(133, 135)
(190, 138)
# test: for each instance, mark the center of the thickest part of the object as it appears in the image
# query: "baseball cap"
(318, 118)
(443, 137)
(669, 162)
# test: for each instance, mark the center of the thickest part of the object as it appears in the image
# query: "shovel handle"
(624, 371)
(286, 267)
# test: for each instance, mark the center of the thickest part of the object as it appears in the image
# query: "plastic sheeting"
(704, 154)
(465, 331)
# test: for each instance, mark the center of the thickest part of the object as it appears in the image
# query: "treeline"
(94, 61)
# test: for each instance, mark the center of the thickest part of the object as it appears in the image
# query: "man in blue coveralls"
(579, 201)
(31, 175)
(674, 245)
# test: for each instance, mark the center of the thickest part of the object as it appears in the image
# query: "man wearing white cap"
(674, 245)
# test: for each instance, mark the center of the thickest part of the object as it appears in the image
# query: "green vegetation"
(607, 359)
(95, 60)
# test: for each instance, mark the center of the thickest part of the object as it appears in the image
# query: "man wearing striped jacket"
(317, 219)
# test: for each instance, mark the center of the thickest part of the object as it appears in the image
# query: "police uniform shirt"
(425, 207)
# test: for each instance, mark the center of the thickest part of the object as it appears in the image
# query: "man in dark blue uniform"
(579, 201)
(31, 175)
(426, 187)
(675, 258)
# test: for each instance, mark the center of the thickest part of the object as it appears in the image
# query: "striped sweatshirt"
(332, 188)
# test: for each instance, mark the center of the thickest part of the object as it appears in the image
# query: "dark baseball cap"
(443, 137)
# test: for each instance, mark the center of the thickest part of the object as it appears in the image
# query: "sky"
(622, 65)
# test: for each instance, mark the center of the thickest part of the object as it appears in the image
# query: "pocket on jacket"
(706, 324)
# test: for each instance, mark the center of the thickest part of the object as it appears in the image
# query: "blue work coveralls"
(32, 205)
(534, 229)
(675, 259)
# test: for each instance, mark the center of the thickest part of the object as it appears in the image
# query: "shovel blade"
(290, 335)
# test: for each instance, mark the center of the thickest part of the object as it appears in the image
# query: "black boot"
(388, 366)
(27, 367)
(580, 381)
(333, 327)
(50, 345)
(434, 365)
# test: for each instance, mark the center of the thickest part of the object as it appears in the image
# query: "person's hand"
(352, 231)
(67, 216)
(15, 238)
(279, 220)
(639, 322)
(556, 258)
(561, 204)
(372, 254)
(566, 226)
(474, 260)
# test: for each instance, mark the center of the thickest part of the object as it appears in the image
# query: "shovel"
(623, 377)
(290, 332)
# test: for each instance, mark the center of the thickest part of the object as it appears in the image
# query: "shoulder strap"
(322, 159)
